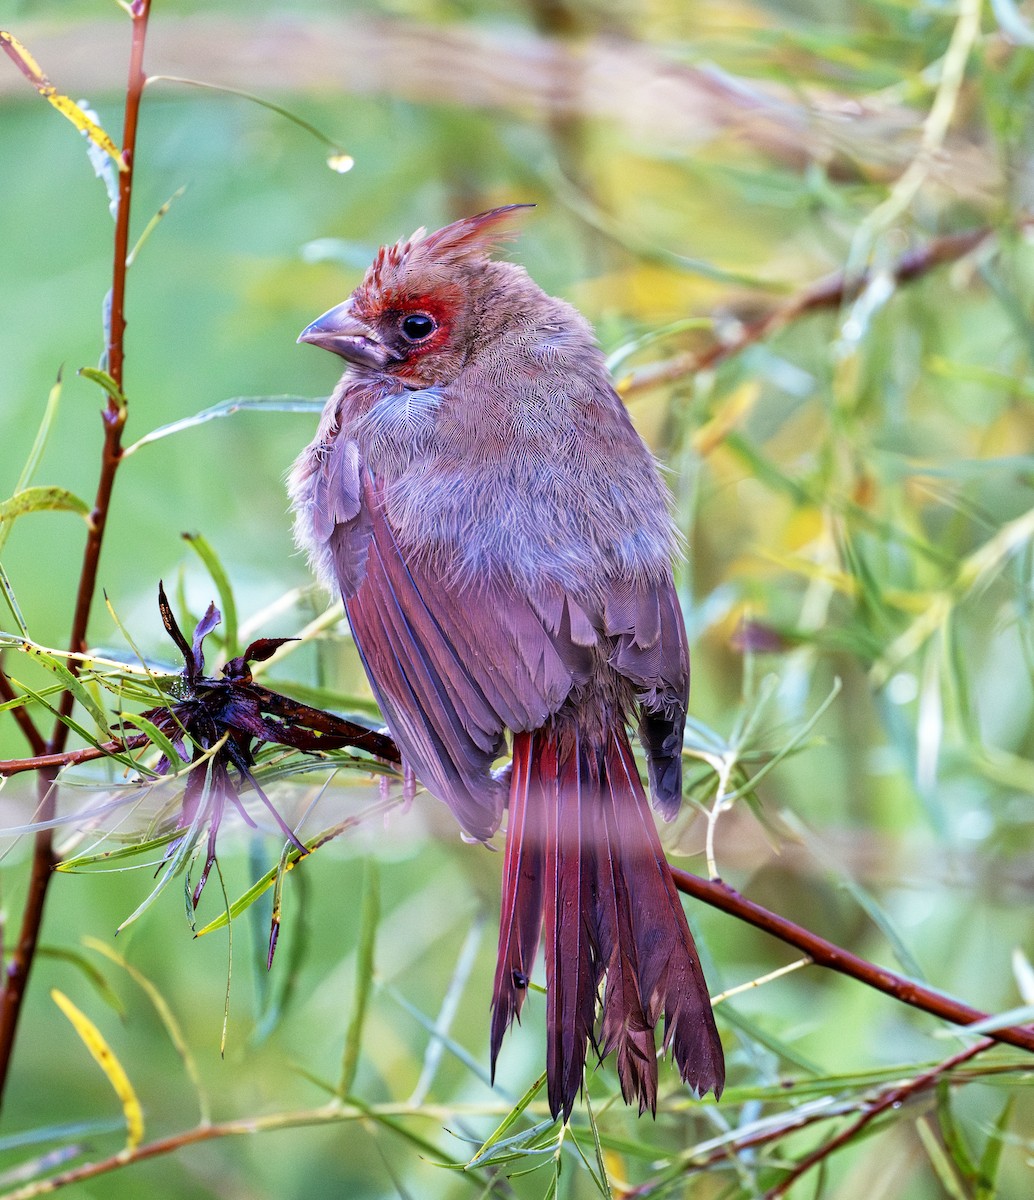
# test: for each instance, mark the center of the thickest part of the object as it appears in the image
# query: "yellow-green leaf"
(104, 1056)
(41, 499)
(33, 72)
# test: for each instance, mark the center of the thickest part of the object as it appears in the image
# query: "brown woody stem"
(17, 973)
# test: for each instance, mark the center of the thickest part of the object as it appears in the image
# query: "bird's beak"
(341, 333)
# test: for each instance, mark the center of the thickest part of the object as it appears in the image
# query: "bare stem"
(114, 417)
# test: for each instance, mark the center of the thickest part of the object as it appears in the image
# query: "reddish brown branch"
(827, 954)
(828, 293)
(20, 966)
(890, 1099)
(70, 758)
(115, 412)
(22, 717)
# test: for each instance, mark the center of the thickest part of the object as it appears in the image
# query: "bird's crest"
(463, 240)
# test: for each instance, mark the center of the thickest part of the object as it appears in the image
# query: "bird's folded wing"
(453, 665)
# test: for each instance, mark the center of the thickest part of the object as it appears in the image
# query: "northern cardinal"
(502, 542)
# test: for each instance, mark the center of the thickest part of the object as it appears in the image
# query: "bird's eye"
(418, 326)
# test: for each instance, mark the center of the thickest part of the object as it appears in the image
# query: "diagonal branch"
(893, 1098)
(28, 726)
(835, 958)
(829, 293)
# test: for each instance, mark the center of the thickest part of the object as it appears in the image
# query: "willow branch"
(827, 954)
(246, 1126)
(893, 1098)
(829, 293)
(71, 758)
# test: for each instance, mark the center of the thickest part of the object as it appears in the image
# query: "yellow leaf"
(33, 72)
(105, 1058)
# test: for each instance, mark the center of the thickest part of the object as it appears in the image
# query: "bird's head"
(413, 315)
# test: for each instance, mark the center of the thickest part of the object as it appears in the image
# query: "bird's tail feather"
(584, 859)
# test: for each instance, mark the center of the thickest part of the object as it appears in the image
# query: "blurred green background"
(855, 493)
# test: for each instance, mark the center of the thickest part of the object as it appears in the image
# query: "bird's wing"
(454, 665)
(652, 651)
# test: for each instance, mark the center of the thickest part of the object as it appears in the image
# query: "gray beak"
(339, 332)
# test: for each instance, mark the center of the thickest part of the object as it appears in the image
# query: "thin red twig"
(71, 758)
(893, 1098)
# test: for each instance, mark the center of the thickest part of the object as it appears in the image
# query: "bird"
(501, 538)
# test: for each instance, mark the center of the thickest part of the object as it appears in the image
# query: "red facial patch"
(440, 307)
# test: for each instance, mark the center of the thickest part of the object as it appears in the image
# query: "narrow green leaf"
(1003, 1020)
(227, 605)
(507, 1123)
(36, 453)
(229, 954)
(987, 1188)
(311, 844)
(72, 724)
(72, 865)
(425, 1147)
(104, 381)
(43, 499)
(226, 408)
(7, 589)
(439, 1038)
(72, 683)
(954, 1140)
(783, 1049)
(152, 225)
(517, 1146)
(56, 1133)
(882, 920)
(279, 998)
(104, 989)
(156, 736)
(940, 1161)
(603, 1183)
(165, 1015)
(182, 853)
(617, 358)
(368, 921)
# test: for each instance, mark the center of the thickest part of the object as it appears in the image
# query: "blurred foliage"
(856, 495)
